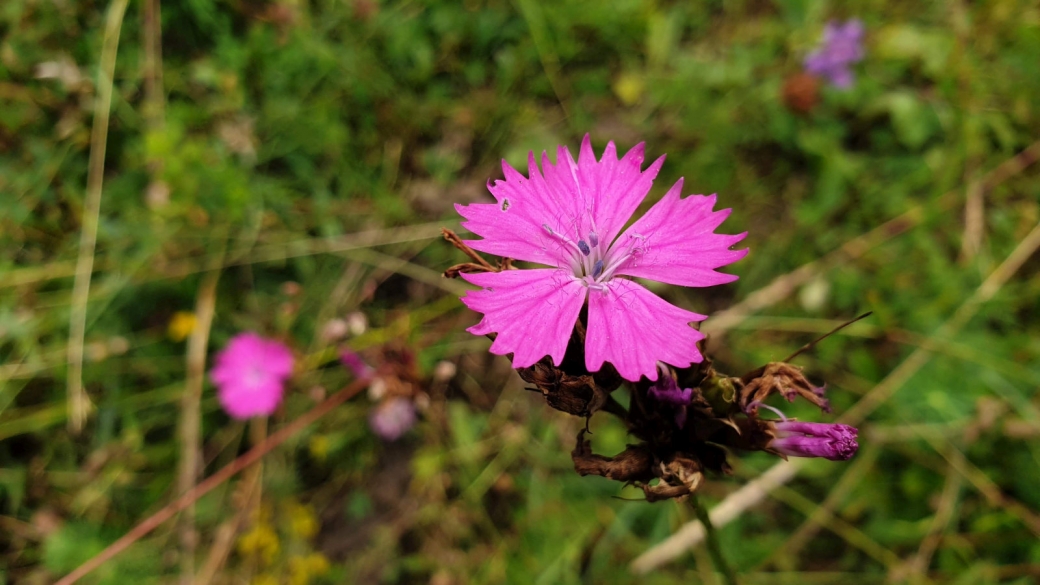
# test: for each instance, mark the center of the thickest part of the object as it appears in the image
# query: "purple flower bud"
(667, 391)
(836, 442)
(392, 418)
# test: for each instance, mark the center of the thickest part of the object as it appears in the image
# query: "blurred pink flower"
(250, 374)
(570, 217)
(392, 418)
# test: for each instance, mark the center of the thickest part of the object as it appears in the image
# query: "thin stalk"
(712, 540)
(785, 285)
(191, 414)
(204, 487)
(76, 396)
(249, 490)
(757, 490)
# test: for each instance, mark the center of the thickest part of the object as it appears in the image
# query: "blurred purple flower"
(355, 364)
(392, 418)
(250, 374)
(842, 46)
(804, 439)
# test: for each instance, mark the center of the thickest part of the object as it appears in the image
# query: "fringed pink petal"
(680, 245)
(633, 329)
(619, 186)
(514, 226)
(532, 312)
(606, 192)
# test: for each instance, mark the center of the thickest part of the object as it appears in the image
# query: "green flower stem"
(712, 538)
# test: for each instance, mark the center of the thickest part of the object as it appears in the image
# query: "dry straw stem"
(754, 492)
(852, 477)
(274, 252)
(77, 398)
(205, 306)
(225, 537)
(693, 532)
(955, 462)
(784, 286)
(848, 532)
(944, 515)
(153, 68)
(204, 487)
(974, 196)
(544, 45)
(974, 221)
(412, 270)
(989, 489)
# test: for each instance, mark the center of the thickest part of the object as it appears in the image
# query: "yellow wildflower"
(302, 569)
(261, 541)
(181, 325)
(319, 447)
(303, 522)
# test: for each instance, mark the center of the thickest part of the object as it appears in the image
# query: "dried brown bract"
(781, 378)
(634, 464)
(687, 421)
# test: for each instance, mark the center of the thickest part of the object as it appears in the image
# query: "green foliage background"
(287, 127)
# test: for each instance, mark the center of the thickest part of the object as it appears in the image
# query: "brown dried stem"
(454, 271)
(225, 537)
(812, 343)
(207, 485)
(480, 265)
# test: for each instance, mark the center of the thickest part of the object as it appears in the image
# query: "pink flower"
(250, 374)
(570, 218)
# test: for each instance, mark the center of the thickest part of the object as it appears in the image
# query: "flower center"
(253, 376)
(593, 261)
